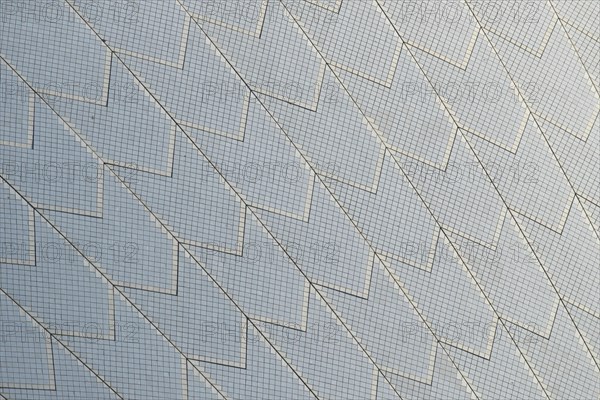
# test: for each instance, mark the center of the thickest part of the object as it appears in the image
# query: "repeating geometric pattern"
(300, 199)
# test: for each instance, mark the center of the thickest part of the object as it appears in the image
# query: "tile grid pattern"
(299, 199)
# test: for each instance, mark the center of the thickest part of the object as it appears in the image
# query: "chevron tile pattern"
(300, 199)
